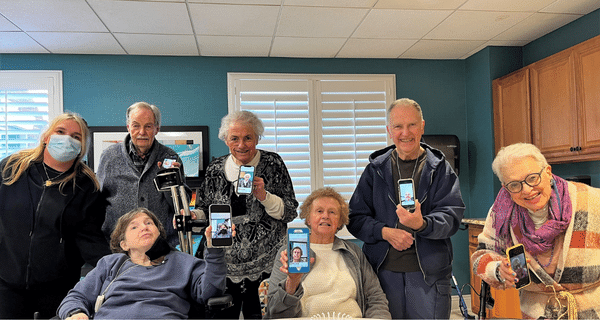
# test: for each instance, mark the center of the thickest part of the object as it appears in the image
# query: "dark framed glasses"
(531, 180)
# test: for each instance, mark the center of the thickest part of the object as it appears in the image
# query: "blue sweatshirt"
(133, 291)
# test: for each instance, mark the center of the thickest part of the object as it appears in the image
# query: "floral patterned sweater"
(258, 235)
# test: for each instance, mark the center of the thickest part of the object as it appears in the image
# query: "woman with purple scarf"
(558, 223)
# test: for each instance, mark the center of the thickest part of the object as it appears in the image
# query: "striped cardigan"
(578, 269)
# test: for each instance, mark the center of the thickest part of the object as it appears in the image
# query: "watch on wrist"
(498, 276)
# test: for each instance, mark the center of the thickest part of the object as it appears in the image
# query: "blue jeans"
(410, 297)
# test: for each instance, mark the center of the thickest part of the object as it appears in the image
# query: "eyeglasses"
(531, 180)
(147, 127)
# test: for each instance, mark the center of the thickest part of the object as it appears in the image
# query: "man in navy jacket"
(410, 250)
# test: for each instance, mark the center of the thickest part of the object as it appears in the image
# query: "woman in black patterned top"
(261, 217)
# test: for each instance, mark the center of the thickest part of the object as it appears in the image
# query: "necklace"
(400, 171)
(549, 261)
(48, 180)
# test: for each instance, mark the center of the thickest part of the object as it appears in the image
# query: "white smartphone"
(220, 220)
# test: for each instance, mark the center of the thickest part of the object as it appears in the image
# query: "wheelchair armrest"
(219, 303)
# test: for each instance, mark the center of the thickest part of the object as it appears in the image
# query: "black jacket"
(46, 235)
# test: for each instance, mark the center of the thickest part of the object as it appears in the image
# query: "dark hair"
(118, 233)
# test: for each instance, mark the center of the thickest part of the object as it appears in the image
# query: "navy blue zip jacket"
(373, 206)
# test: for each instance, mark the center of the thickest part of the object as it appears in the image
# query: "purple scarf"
(509, 214)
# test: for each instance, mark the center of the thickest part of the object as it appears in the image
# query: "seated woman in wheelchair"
(340, 281)
(145, 277)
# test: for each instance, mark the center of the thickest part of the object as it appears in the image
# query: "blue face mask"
(63, 148)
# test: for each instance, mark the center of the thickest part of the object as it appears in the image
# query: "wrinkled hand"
(78, 316)
(508, 274)
(207, 234)
(259, 188)
(293, 279)
(413, 220)
(398, 238)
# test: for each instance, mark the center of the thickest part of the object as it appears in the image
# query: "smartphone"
(220, 220)
(516, 256)
(168, 163)
(298, 250)
(406, 190)
(245, 179)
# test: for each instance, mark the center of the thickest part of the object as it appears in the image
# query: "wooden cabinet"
(512, 121)
(506, 302)
(553, 103)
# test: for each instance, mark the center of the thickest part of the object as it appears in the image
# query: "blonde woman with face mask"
(49, 220)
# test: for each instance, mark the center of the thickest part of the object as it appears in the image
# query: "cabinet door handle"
(571, 149)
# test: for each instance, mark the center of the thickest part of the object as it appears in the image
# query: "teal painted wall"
(455, 95)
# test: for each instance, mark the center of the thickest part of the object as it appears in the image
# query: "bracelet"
(498, 276)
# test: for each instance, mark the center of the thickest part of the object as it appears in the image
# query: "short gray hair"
(404, 102)
(513, 153)
(244, 117)
(145, 105)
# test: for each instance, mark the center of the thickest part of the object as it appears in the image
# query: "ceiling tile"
(475, 25)
(52, 15)
(536, 26)
(374, 48)
(399, 24)
(570, 6)
(440, 49)
(232, 20)
(306, 47)
(6, 25)
(19, 42)
(251, 2)
(78, 43)
(143, 17)
(506, 5)
(420, 4)
(234, 46)
(332, 3)
(319, 22)
(156, 44)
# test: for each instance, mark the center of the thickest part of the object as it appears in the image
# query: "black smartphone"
(220, 220)
(516, 256)
(406, 192)
(298, 250)
(245, 179)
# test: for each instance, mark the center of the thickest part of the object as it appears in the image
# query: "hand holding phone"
(518, 263)
(245, 180)
(298, 250)
(220, 221)
(168, 163)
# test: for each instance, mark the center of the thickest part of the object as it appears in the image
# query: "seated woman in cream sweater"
(340, 281)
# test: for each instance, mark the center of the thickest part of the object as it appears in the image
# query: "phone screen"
(298, 250)
(516, 256)
(406, 190)
(168, 163)
(245, 178)
(220, 220)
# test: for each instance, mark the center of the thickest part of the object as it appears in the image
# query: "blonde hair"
(326, 192)
(20, 161)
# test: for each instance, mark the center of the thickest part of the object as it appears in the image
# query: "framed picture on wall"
(190, 142)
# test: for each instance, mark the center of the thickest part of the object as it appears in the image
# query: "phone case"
(298, 250)
(220, 220)
(518, 262)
